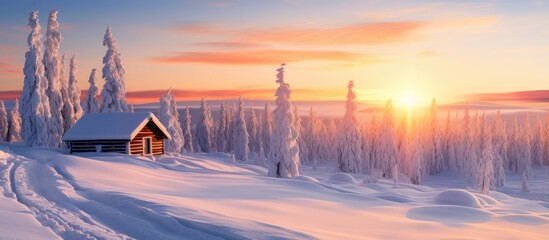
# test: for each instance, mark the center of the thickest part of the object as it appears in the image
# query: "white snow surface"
(111, 125)
(48, 194)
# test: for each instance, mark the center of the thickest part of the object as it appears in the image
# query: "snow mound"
(450, 215)
(306, 179)
(343, 178)
(458, 198)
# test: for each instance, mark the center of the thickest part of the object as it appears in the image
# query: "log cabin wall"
(118, 146)
(156, 135)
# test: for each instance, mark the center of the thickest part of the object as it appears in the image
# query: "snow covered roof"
(111, 126)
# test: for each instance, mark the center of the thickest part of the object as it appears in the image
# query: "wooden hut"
(138, 133)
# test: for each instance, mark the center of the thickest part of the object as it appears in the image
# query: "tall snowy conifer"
(388, 143)
(187, 132)
(240, 140)
(253, 132)
(67, 110)
(349, 152)
(91, 104)
(485, 177)
(15, 124)
(53, 67)
(222, 131)
(204, 128)
(4, 126)
(74, 90)
(169, 117)
(284, 152)
(537, 143)
(113, 95)
(35, 113)
(499, 144)
(266, 129)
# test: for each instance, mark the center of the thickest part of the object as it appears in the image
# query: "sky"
(410, 51)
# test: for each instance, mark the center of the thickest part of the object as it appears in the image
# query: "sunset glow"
(451, 50)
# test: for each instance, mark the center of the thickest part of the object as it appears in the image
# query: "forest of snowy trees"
(410, 146)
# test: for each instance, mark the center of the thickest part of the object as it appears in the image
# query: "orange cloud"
(358, 34)
(7, 67)
(535, 96)
(221, 94)
(216, 94)
(260, 57)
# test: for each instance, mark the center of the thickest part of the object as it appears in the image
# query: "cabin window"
(147, 145)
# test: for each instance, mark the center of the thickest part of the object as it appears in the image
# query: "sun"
(407, 98)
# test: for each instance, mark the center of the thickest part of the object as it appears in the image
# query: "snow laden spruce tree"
(53, 67)
(253, 133)
(485, 174)
(74, 94)
(240, 140)
(4, 127)
(388, 143)
(169, 117)
(113, 95)
(187, 131)
(349, 142)
(91, 104)
(284, 152)
(266, 129)
(35, 110)
(222, 131)
(204, 128)
(14, 133)
(67, 110)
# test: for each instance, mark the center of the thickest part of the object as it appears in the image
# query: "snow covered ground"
(46, 194)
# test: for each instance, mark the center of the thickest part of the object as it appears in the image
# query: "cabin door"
(147, 145)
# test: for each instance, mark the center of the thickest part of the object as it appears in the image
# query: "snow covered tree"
(330, 137)
(35, 113)
(512, 150)
(524, 152)
(113, 95)
(67, 110)
(499, 143)
(169, 117)
(433, 148)
(187, 132)
(266, 129)
(14, 133)
(485, 173)
(311, 140)
(240, 140)
(4, 126)
(451, 142)
(253, 132)
(546, 141)
(468, 155)
(74, 92)
(222, 131)
(284, 152)
(53, 67)
(416, 160)
(349, 151)
(91, 105)
(204, 128)
(387, 140)
(537, 143)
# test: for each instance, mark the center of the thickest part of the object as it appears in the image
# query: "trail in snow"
(204, 196)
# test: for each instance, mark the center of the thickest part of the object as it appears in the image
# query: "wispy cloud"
(215, 94)
(8, 67)
(261, 57)
(534, 96)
